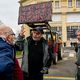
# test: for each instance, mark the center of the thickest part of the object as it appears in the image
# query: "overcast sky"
(9, 13)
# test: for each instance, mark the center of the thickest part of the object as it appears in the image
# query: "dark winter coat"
(9, 66)
(6, 60)
(77, 49)
(23, 44)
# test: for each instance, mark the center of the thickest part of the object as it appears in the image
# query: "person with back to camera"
(37, 55)
(9, 67)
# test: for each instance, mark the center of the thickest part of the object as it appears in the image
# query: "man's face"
(10, 38)
(78, 36)
(36, 35)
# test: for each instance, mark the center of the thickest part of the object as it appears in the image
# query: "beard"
(36, 38)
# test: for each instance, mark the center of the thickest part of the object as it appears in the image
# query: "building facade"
(65, 17)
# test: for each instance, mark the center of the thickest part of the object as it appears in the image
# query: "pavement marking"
(58, 78)
(66, 58)
(71, 55)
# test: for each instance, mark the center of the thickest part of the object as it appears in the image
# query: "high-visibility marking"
(58, 78)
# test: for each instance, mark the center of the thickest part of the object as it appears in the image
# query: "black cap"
(39, 29)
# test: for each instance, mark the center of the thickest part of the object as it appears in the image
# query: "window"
(56, 17)
(73, 17)
(71, 32)
(78, 3)
(57, 29)
(57, 4)
(69, 3)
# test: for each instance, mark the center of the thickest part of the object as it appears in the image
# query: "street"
(64, 69)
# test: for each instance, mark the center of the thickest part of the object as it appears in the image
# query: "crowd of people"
(36, 60)
(37, 55)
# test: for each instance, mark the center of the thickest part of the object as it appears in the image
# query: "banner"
(41, 12)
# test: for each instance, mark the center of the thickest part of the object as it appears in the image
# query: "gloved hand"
(44, 70)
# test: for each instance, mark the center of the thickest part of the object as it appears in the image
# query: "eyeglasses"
(12, 34)
(78, 35)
